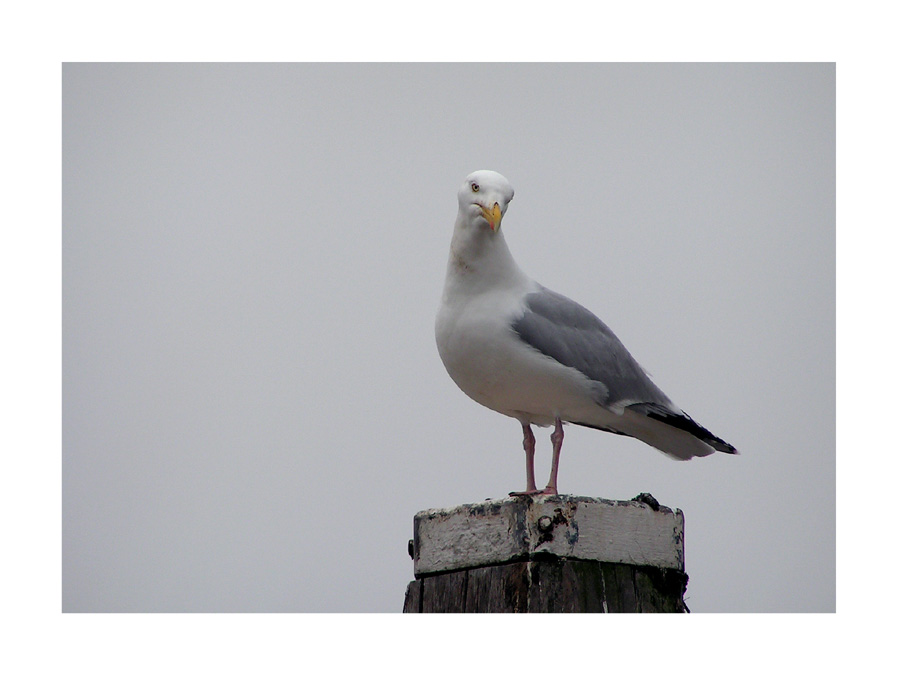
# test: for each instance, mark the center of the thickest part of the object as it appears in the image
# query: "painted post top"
(635, 532)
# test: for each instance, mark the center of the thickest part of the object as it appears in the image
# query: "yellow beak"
(493, 216)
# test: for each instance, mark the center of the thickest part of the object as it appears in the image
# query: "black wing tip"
(684, 422)
(723, 446)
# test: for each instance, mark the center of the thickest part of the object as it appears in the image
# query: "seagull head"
(483, 198)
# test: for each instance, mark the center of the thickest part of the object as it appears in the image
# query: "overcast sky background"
(253, 404)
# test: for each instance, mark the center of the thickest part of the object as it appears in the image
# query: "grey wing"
(564, 330)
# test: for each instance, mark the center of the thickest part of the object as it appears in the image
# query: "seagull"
(530, 353)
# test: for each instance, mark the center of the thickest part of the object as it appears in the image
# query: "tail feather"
(683, 421)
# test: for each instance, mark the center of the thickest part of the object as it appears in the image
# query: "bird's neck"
(480, 259)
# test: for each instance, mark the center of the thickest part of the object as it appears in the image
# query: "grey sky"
(253, 404)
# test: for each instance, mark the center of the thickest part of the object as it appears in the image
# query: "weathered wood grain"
(549, 554)
(550, 585)
(444, 593)
(412, 603)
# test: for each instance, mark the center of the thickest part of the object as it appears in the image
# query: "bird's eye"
(475, 187)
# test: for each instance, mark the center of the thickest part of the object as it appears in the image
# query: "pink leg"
(556, 438)
(528, 444)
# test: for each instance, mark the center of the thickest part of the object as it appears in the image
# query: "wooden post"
(557, 553)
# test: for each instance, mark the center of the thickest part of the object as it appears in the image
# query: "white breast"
(488, 361)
